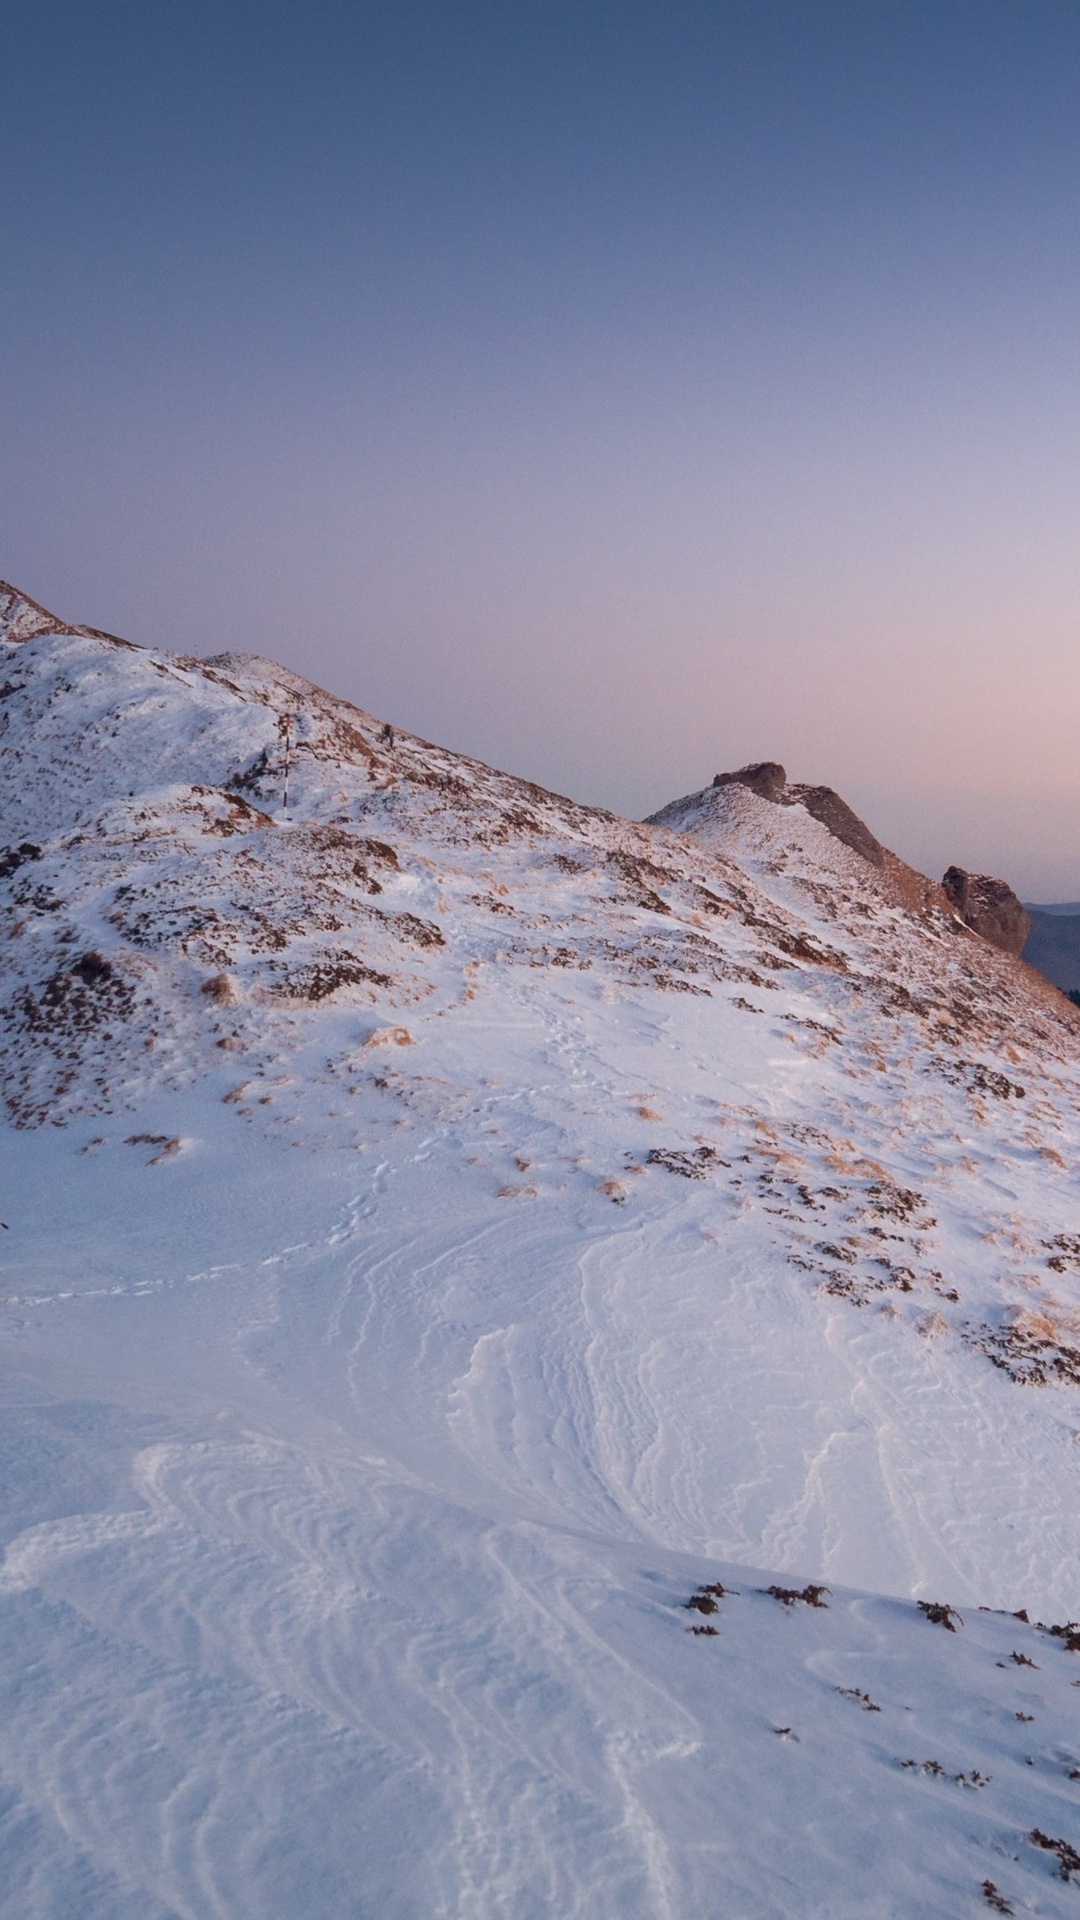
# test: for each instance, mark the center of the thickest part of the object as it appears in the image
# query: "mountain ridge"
(449, 1229)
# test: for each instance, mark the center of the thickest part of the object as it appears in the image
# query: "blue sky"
(616, 392)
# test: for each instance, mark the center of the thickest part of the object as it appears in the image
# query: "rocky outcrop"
(768, 779)
(989, 907)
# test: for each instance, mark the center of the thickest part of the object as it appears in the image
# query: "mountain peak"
(768, 779)
(22, 619)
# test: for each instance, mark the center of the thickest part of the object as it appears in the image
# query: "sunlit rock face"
(989, 907)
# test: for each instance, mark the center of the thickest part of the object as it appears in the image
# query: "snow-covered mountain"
(449, 1229)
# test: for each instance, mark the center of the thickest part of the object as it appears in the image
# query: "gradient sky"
(616, 392)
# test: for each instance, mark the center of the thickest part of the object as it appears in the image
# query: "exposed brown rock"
(989, 907)
(766, 778)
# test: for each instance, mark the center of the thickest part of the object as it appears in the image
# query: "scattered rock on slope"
(989, 907)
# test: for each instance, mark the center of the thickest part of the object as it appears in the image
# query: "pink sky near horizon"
(615, 394)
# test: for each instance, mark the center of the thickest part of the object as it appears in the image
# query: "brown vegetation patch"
(249, 779)
(939, 1614)
(641, 878)
(1069, 1635)
(12, 858)
(1030, 1349)
(238, 816)
(86, 1005)
(705, 1599)
(1066, 1255)
(332, 973)
(692, 1164)
(76, 1001)
(856, 1693)
(1068, 1858)
(381, 851)
(421, 933)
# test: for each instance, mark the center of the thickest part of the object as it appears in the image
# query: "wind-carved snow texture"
(451, 1234)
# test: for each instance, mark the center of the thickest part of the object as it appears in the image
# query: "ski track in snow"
(374, 1405)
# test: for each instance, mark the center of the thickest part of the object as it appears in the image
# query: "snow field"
(448, 1229)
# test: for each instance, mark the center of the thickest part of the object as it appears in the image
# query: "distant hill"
(1053, 945)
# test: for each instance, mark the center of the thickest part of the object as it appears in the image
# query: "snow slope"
(448, 1226)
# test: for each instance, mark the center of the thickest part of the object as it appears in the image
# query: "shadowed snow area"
(452, 1232)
